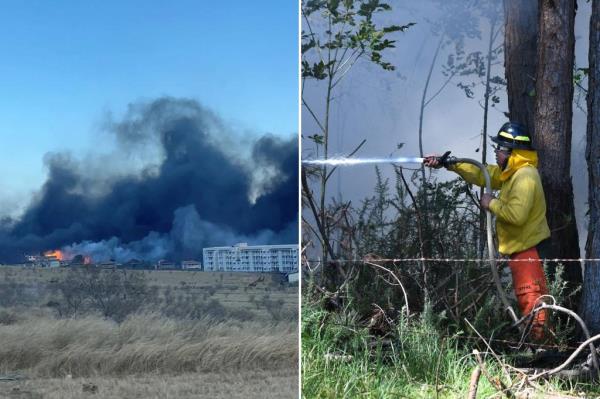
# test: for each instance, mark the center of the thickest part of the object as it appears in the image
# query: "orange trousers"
(529, 283)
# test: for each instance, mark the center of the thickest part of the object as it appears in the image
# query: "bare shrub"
(113, 293)
(13, 292)
(8, 317)
(277, 311)
(193, 307)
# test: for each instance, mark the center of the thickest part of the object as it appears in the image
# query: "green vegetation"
(357, 338)
(342, 359)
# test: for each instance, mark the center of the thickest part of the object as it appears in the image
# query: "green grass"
(412, 366)
(416, 363)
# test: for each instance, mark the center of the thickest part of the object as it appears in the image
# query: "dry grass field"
(259, 294)
(238, 346)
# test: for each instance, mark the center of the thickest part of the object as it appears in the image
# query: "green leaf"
(332, 7)
(318, 70)
(308, 45)
(586, 71)
(312, 6)
(317, 138)
(396, 28)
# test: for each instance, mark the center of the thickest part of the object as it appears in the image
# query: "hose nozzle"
(446, 160)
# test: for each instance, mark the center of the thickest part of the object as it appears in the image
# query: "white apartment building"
(256, 258)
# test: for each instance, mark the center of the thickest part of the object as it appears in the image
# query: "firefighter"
(520, 211)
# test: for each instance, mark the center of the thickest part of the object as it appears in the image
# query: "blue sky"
(65, 64)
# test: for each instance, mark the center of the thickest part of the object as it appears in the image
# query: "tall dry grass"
(45, 346)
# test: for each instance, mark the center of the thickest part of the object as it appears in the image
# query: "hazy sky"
(66, 65)
(383, 107)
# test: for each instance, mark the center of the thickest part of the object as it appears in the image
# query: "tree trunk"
(520, 55)
(553, 118)
(591, 288)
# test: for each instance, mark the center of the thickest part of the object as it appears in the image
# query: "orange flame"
(55, 253)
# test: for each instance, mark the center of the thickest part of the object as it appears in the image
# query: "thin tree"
(457, 22)
(491, 87)
(480, 66)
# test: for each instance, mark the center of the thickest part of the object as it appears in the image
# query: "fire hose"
(446, 160)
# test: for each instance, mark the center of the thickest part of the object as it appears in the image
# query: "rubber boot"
(529, 283)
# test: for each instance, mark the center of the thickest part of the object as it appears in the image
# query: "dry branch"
(395, 278)
(496, 382)
(491, 351)
(569, 360)
(474, 382)
(544, 305)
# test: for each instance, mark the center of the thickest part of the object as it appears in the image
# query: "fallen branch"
(568, 361)
(474, 383)
(574, 315)
(491, 351)
(496, 382)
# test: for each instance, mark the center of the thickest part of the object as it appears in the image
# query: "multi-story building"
(256, 258)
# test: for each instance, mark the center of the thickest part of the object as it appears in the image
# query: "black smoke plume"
(198, 185)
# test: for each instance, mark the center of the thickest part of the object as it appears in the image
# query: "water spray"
(361, 161)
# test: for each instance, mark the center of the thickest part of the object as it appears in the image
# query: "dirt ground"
(275, 384)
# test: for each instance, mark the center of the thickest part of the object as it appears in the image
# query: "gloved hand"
(432, 161)
(436, 161)
(485, 201)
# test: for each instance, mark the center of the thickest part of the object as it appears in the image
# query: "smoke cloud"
(179, 180)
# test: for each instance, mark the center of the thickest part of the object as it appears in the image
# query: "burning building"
(53, 258)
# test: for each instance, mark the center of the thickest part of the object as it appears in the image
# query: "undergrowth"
(341, 359)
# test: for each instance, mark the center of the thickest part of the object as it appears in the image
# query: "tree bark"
(553, 119)
(591, 288)
(520, 55)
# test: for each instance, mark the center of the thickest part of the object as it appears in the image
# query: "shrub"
(115, 294)
(8, 318)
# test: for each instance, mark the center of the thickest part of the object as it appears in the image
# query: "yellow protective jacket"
(520, 208)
